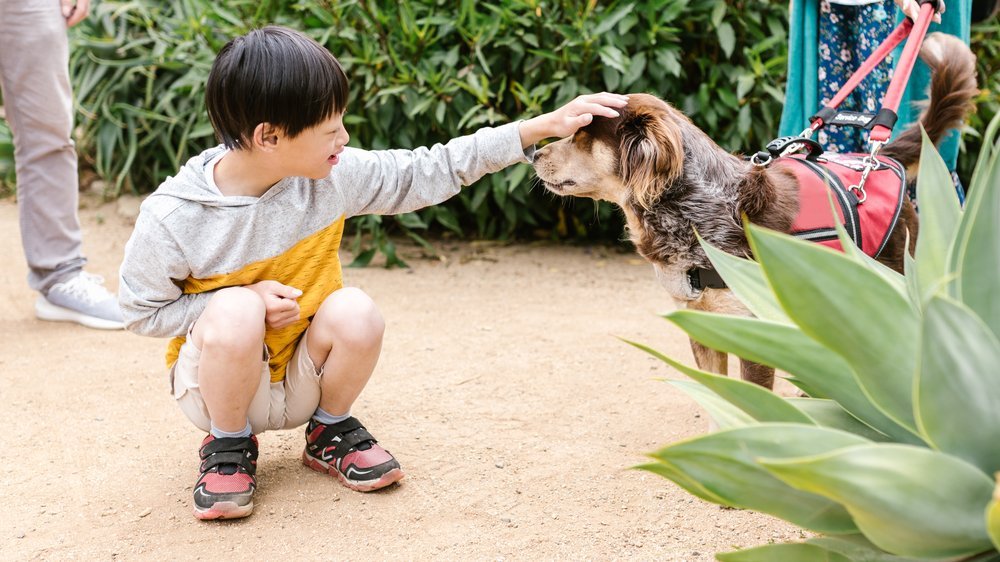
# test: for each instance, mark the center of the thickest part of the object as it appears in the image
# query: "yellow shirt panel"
(312, 265)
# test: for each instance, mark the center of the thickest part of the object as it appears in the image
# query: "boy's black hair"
(272, 75)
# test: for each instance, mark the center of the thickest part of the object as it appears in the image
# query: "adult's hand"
(75, 11)
(911, 8)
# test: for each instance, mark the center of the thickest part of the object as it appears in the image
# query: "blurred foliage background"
(424, 71)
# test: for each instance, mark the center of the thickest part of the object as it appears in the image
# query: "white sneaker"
(81, 299)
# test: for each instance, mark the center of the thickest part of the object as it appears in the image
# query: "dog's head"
(628, 159)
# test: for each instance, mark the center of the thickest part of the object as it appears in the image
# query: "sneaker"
(81, 299)
(346, 450)
(227, 483)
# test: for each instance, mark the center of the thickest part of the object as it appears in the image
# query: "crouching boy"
(236, 259)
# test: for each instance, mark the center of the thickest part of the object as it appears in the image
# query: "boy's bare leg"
(345, 337)
(230, 335)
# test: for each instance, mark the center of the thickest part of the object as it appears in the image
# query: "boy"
(236, 257)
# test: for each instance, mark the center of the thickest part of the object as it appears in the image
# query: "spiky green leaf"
(828, 413)
(813, 367)
(975, 256)
(745, 278)
(957, 392)
(939, 216)
(897, 496)
(724, 463)
(724, 414)
(833, 299)
(759, 403)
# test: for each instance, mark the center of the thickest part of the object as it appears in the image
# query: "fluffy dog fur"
(671, 179)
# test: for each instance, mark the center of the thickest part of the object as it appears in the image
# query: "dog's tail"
(953, 86)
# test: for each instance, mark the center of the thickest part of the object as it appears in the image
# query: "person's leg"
(229, 396)
(34, 59)
(344, 339)
(34, 76)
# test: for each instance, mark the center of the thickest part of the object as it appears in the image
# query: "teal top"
(801, 92)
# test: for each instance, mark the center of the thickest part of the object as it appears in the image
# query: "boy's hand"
(566, 120)
(279, 301)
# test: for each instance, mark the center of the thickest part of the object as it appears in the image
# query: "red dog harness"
(867, 214)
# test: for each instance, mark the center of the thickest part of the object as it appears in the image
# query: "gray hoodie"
(191, 240)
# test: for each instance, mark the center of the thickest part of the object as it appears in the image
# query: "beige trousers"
(37, 100)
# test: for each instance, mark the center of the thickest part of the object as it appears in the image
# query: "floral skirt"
(847, 36)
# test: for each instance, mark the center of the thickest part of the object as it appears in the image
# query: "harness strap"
(913, 32)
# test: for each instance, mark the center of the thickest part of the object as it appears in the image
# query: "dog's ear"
(651, 154)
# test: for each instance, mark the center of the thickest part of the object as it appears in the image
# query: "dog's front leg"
(709, 359)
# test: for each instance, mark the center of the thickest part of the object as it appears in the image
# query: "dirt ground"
(515, 411)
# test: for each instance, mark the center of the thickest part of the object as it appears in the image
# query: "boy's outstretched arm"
(566, 120)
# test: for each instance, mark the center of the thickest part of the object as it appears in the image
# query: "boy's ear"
(265, 136)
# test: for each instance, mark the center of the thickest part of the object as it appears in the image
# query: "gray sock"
(326, 418)
(219, 434)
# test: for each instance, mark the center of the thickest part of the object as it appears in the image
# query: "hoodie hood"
(194, 182)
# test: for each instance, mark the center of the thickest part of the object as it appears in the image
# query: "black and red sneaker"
(346, 450)
(227, 483)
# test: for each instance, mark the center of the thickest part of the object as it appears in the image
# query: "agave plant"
(892, 456)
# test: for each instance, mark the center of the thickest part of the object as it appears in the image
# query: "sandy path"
(512, 407)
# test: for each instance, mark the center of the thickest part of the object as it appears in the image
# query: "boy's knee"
(352, 317)
(234, 316)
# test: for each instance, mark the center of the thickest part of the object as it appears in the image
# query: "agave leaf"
(724, 414)
(725, 464)
(814, 368)
(897, 496)
(857, 547)
(852, 251)
(957, 396)
(745, 278)
(789, 552)
(993, 516)
(987, 153)
(849, 309)
(939, 215)
(668, 471)
(828, 413)
(760, 403)
(975, 255)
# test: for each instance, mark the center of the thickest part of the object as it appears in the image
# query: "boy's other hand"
(279, 301)
(566, 120)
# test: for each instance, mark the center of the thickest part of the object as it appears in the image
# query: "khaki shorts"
(276, 405)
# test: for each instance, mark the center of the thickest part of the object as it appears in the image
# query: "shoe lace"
(87, 287)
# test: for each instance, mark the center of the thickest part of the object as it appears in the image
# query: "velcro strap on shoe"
(350, 431)
(241, 451)
(353, 438)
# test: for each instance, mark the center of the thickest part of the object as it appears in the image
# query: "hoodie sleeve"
(149, 293)
(388, 182)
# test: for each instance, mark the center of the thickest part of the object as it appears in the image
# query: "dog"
(671, 180)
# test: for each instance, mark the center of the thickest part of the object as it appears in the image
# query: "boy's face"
(316, 150)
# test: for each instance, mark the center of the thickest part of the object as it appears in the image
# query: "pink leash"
(881, 125)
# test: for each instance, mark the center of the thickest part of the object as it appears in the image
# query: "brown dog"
(671, 180)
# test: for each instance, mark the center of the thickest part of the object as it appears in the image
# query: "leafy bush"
(426, 71)
(894, 454)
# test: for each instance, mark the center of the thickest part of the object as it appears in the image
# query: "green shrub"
(894, 454)
(426, 71)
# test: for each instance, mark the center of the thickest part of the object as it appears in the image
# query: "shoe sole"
(391, 477)
(223, 510)
(44, 310)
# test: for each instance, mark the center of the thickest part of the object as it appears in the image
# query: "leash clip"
(870, 162)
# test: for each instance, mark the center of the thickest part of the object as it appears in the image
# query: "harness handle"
(881, 126)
